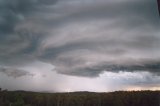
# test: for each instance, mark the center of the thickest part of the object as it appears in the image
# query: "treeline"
(119, 98)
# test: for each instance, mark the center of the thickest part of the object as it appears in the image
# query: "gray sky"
(79, 45)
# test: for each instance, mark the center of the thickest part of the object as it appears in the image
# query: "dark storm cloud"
(98, 68)
(134, 18)
(125, 10)
(17, 42)
(81, 38)
(14, 11)
(13, 72)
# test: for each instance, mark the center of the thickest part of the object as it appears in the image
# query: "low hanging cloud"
(15, 73)
(81, 37)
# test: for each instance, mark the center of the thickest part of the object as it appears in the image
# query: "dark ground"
(118, 98)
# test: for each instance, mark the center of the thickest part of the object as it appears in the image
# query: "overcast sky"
(79, 45)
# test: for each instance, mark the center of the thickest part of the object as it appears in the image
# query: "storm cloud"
(105, 36)
(13, 72)
(83, 38)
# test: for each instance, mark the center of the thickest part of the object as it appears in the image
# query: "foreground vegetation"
(119, 98)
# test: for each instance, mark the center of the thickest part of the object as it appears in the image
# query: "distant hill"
(118, 98)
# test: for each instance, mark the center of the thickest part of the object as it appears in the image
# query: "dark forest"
(118, 98)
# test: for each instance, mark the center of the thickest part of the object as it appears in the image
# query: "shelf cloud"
(80, 38)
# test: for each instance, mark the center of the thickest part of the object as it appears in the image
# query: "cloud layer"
(80, 37)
